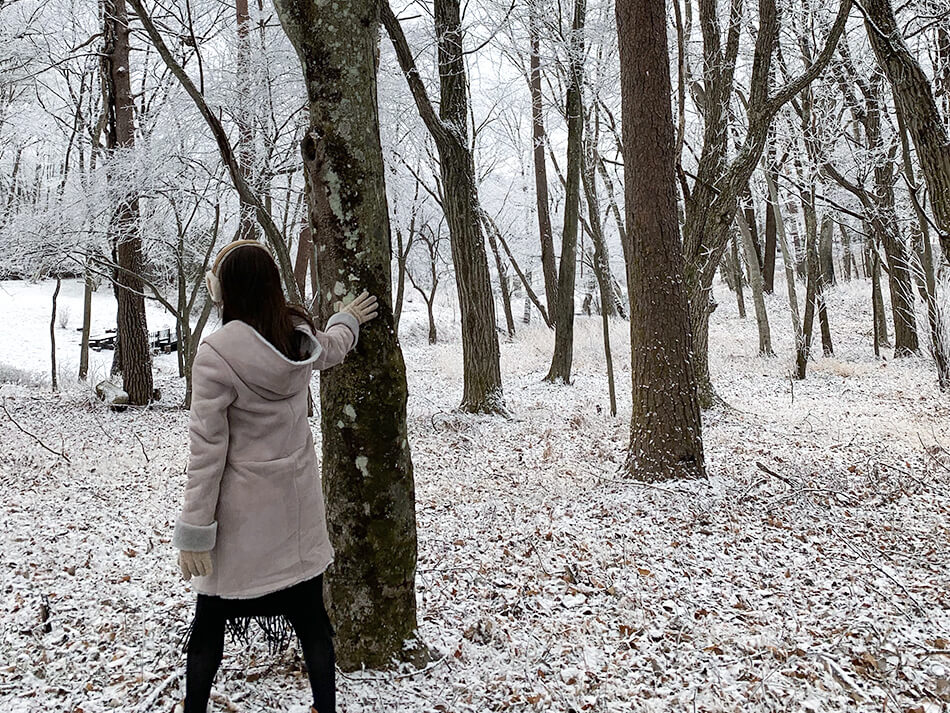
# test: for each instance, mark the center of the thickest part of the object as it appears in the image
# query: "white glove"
(363, 308)
(194, 564)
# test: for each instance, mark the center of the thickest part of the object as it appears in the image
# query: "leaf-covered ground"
(810, 573)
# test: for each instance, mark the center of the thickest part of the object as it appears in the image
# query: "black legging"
(302, 605)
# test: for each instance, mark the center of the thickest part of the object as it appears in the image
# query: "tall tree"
(482, 392)
(915, 102)
(247, 225)
(665, 428)
(563, 313)
(367, 469)
(135, 359)
(539, 140)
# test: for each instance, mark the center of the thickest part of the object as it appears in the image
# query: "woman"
(252, 531)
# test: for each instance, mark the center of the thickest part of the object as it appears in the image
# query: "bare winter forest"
(656, 412)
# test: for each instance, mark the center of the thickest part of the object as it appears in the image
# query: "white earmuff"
(214, 287)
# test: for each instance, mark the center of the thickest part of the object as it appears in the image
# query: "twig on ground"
(149, 703)
(36, 438)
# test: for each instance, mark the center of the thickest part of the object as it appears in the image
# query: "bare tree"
(482, 390)
(132, 346)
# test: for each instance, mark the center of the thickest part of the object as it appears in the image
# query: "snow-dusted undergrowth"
(818, 581)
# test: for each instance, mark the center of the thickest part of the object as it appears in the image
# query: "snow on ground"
(546, 580)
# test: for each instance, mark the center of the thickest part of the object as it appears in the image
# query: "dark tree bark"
(768, 260)
(367, 469)
(914, 98)
(665, 428)
(54, 371)
(131, 328)
(563, 314)
(548, 265)
(449, 129)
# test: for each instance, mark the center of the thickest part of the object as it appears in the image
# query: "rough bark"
(665, 427)
(917, 108)
(131, 328)
(563, 314)
(367, 469)
(482, 391)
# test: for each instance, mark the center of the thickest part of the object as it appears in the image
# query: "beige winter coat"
(253, 496)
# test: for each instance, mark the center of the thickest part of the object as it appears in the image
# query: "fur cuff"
(348, 321)
(195, 538)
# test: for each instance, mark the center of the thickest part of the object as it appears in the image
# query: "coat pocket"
(258, 523)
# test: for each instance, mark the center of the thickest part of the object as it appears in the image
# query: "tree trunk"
(502, 283)
(915, 103)
(563, 315)
(827, 228)
(367, 469)
(788, 260)
(737, 277)
(601, 268)
(768, 260)
(302, 260)
(812, 282)
(548, 265)
(132, 329)
(755, 284)
(52, 337)
(877, 298)
(665, 427)
(826, 256)
(847, 258)
(247, 224)
(86, 323)
(449, 129)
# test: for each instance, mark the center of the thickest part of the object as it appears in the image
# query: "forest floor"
(546, 580)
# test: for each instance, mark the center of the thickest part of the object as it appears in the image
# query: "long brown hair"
(251, 292)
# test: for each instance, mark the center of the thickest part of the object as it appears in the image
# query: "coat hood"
(259, 364)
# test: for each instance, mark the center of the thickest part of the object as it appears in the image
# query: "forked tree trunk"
(367, 469)
(665, 427)
(755, 284)
(132, 330)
